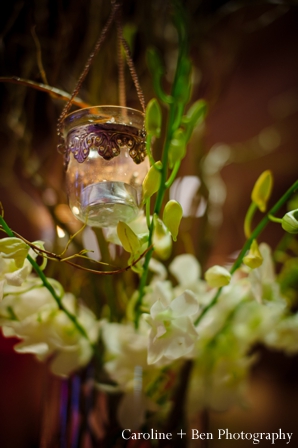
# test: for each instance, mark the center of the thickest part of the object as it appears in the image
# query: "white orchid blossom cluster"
(219, 342)
(29, 312)
(179, 322)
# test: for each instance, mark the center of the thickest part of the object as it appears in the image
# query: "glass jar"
(105, 163)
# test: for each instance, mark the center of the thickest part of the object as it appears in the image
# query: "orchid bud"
(152, 181)
(153, 118)
(290, 221)
(254, 258)
(128, 238)
(172, 216)
(262, 190)
(162, 241)
(217, 276)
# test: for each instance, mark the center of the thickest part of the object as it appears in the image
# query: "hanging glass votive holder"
(105, 158)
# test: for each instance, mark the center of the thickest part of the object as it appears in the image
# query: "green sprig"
(176, 101)
(254, 235)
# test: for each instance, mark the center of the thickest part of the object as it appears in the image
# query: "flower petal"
(185, 268)
(185, 305)
(16, 278)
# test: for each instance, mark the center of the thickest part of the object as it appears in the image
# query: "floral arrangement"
(179, 335)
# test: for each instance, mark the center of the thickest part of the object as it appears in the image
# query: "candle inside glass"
(104, 183)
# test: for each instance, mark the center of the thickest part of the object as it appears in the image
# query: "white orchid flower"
(45, 330)
(186, 269)
(14, 267)
(126, 348)
(172, 333)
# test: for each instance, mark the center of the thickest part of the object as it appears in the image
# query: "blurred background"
(245, 66)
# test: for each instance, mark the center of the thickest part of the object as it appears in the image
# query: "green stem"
(178, 115)
(164, 98)
(248, 219)
(172, 125)
(148, 213)
(143, 283)
(274, 219)
(159, 199)
(164, 173)
(48, 285)
(173, 175)
(260, 227)
(57, 299)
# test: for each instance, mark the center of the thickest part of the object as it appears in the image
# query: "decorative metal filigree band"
(108, 140)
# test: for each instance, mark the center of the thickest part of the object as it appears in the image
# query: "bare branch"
(52, 91)
(54, 257)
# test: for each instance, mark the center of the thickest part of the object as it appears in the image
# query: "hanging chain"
(121, 67)
(115, 13)
(132, 67)
(61, 144)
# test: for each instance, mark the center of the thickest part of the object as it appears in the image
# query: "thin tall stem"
(174, 118)
(254, 235)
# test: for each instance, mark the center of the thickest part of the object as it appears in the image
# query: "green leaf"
(152, 181)
(172, 216)
(128, 238)
(153, 118)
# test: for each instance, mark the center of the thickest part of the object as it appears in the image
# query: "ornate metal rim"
(107, 139)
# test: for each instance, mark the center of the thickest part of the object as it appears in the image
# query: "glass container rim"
(71, 118)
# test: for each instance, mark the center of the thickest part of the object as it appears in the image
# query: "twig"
(52, 91)
(55, 257)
